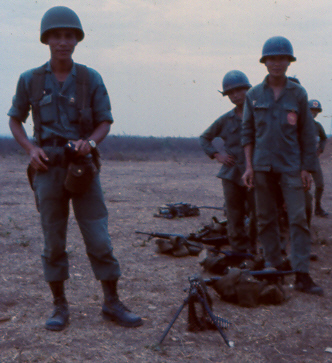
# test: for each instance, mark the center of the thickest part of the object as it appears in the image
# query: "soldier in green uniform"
(57, 120)
(238, 200)
(316, 108)
(279, 145)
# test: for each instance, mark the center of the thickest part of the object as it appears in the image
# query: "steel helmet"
(277, 46)
(315, 105)
(60, 17)
(234, 79)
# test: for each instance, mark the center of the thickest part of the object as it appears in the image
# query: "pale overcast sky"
(163, 61)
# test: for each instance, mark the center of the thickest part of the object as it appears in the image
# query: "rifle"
(200, 244)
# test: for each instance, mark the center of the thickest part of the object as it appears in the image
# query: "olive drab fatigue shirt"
(58, 108)
(320, 136)
(281, 131)
(228, 128)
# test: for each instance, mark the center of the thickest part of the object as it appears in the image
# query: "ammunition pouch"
(80, 174)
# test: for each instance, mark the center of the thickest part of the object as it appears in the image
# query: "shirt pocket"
(260, 112)
(261, 118)
(46, 109)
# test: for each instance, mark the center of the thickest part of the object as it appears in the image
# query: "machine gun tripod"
(198, 294)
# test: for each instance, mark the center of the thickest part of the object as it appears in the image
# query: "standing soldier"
(238, 200)
(69, 102)
(279, 144)
(316, 108)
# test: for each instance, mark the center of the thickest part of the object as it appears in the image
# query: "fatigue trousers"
(92, 217)
(319, 184)
(266, 191)
(240, 204)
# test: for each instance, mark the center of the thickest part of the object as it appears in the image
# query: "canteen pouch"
(80, 175)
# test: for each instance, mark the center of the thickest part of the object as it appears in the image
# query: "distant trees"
(134, 148)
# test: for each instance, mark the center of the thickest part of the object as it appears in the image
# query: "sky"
(163, 61)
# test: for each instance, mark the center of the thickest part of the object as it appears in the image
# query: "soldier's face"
(62, 43)
(277, 65)
(237, 96)
(314, 112)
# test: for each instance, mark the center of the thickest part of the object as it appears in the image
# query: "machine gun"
(198, 294)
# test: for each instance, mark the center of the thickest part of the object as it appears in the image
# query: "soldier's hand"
(248, 178)
(306, 179)
(82, 147)
(226, 159)
(38, 159)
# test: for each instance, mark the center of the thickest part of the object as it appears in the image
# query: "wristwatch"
(92, 144)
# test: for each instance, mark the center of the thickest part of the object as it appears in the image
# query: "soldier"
(279, 144)
(238, 200)
(316, 108)
(58, 118)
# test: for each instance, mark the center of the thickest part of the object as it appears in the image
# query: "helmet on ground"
(277, 46)
(315, 105)
(234, 79)
(60, 17)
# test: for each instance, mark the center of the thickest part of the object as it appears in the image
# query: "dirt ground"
(152, 285)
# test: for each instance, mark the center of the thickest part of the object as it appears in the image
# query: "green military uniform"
(59, 116)
(318, 174)
(239, 201)
(282, 134)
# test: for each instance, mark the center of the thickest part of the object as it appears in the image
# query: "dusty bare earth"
(299, 330)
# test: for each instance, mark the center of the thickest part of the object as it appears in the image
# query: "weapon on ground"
(198, 294)
(200, 245)
(191, 241)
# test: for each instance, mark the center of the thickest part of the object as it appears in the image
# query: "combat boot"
(320, 212)
(60, 316)
(113, 309)
(304, 283)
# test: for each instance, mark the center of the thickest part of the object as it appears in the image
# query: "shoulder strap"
(38, 82)
(37, 90)
(82, 86)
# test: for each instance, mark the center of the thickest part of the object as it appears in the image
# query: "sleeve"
(322, 137)
(248, 122)
(307, 139)
(100, 104)
(208, 135)
(21, 103)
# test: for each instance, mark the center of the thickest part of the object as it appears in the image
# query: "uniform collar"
(72, 71)
(289, 83)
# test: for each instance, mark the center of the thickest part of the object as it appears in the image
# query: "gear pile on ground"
(177, 210)
(214, 234)
(239, 287)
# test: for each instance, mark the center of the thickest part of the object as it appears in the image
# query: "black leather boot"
(113, 309)
(60, 316)
(304, 283)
